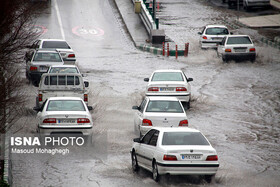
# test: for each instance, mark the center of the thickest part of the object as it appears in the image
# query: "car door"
(151, 148)
(139, 114)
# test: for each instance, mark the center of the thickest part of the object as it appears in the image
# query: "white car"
(175, 151)
(170, 83)
(248, 4)
(237, 47)
(159, 111)
(60, 45)
(64, 115)
(64, 69)
(211, 35)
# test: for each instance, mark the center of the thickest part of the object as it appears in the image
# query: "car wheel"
(252, 60)
(224, 59)
(188, 105)
(134, 162)
(155, 172)
(209, 178)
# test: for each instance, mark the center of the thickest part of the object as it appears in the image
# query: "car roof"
(160, 98)
(168, 70)
(64, 66)
(60, 40)
(175, 129)
(213, 26)
(65, 98)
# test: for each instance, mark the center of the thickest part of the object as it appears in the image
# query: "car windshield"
(65, 105)
(167, 76)
(47, 57)
(239, 40)
(217, 31)
(184, 138)
(63, 70)
(164, 106)
(55, 45)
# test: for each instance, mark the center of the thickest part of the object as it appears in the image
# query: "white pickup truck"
(62, 85)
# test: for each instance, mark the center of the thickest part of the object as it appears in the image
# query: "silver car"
(159, 111)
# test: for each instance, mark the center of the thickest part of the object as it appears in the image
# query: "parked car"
(63, 69)
(248, 4)
(175, 151)
(211, 35)
(170, 83)
(159, 111)
(66, 52)
(64, 115)
(237, 47)
(38, 62)
(62, 85)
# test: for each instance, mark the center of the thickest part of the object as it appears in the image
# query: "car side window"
(146, 139)
(154, 139)
(142, 106)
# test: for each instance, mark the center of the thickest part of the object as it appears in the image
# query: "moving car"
(211, 35)
(170, 83)
(175, 151)
(248, 4)
(63, 69)
(64, 115)
(39, 61)
(237, 47)
(159, 111)
(66, 52)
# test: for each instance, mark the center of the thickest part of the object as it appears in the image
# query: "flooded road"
(236, 105)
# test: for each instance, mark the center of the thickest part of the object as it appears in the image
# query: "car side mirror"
(89, 108)
(189, 79)
(137, 140)
(200, 33)
(135, 107)
(86, 83)
(146, 79)
(37, 109)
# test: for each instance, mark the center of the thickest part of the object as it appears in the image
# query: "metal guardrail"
(146, 17)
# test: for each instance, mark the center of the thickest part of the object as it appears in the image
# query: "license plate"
(240, 50)
(66, 121)
(220, 39)
(191, 157)
(166, 89)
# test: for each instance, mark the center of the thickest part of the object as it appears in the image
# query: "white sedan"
(175, 151)
(159, 111)
(237, 47)
(211, 35)
(64, 115)
(170, 83)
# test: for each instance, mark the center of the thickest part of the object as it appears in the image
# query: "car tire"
(188, 104)
(155, 172)
(209, 178)
(134, 162)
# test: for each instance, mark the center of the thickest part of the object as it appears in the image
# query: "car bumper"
(240, 56)
(182, 97)
(209, 45)
(187, 169)
(49, 130)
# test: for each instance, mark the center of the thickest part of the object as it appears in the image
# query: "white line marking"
(59, 19)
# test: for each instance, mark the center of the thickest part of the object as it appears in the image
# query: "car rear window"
(167, 76)
(65, 105)
(239, 40)
(216, 31)
(55, 44)
(164, 106)
(62, 80)
(47, 57)
(63, 70)
(184, 138)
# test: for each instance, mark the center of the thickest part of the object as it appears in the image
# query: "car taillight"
(204, 37)
(83, 120)
(71, 55)
(153, 89)
(184, 123)
(40, 97)
(85, 97)
(181, 89)
(33, 68)
(169, 157)
(147, 122)
(49, 120)
(228, 50)
(252, 50)
(212, 158)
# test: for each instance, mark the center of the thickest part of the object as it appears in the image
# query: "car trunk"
(167, 86)
(168, 120)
